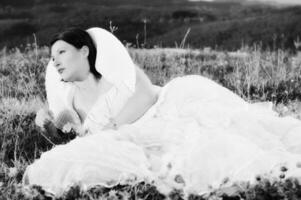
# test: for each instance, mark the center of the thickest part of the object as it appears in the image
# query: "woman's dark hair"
(79, 38)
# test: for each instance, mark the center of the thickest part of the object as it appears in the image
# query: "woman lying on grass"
(192, 134)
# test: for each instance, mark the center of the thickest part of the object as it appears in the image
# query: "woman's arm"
(146, 94)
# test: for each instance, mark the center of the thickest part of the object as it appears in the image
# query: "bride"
(191, 134)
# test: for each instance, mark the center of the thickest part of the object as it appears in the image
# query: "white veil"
(113, 62)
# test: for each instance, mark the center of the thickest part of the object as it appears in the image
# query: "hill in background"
(221, 24)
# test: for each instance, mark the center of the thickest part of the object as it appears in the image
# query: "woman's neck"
(90, 83)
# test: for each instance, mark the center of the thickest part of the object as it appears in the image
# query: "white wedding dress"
(197, 135)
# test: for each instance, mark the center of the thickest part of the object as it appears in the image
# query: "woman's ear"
(85, 51)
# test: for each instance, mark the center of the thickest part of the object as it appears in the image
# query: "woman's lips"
(60, 70)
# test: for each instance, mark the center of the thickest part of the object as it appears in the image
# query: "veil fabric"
(113, 62)
(112, 59)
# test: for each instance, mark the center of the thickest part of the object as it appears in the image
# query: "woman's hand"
(44, 117)
(45, 120)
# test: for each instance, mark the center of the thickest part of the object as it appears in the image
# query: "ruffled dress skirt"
(197, 137)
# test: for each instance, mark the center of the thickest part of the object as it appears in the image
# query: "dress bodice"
(106, 106)
(84, 99)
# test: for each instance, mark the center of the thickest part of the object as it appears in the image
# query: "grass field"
(252, 73)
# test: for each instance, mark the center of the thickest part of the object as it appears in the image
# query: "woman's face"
(71, 63)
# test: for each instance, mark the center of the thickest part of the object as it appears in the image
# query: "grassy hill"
(223, 24)
(274, 30)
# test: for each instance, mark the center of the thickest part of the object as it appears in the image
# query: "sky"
(284, 2)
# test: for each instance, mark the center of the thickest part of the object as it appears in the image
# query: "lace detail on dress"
(106, 107)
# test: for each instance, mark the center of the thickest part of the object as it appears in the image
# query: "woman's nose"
(56, 62)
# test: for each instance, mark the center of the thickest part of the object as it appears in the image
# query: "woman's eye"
(62, 51)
